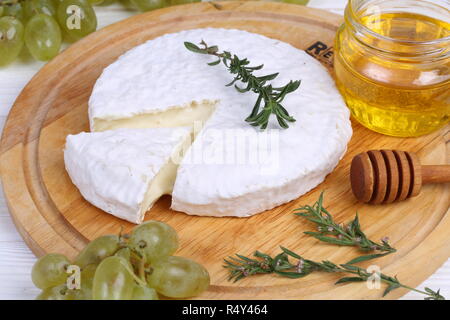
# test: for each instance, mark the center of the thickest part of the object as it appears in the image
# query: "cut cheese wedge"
(124, 171)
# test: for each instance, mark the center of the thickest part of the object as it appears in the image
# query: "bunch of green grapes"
(138, 266)
(40, 25)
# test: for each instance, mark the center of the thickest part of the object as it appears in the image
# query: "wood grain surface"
(52, 217)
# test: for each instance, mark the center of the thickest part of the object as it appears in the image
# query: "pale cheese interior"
(164, 180)
(177, 116)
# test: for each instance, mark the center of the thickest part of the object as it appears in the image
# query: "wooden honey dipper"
(386, 176)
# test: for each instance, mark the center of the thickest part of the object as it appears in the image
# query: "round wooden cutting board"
(53, 217)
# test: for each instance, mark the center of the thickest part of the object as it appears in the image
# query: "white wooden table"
(16, 260)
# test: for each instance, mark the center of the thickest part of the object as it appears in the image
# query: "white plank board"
(16, 260)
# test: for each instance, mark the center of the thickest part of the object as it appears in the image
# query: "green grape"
(127, 4)
(53, 293)
(33, 7)
(300, 2)
(87, 276)
(11, 39)
(97, 250)
(154, 240)
(125, 253)
(86, 283)
(76, 294)
(96, 2)
(178, 277)
(77, 18)
(104, 3)
(14, 10)
(113, 280)
(43, 37)
(144, 293)
(107, 2)
(148, 5)
(50, 271)
(175, 2)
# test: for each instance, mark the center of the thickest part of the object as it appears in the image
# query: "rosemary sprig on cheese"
(271, 96)
(242, 267)
(342, 234)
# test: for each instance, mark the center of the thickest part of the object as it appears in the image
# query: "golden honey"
(393, 66)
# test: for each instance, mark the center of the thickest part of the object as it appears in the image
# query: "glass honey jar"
(392, 64)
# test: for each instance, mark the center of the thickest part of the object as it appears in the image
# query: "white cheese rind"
(114, 170)
(300, 158)
(162, 74)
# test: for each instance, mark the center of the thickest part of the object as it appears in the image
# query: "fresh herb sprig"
(342, 234)
(329, 231)
(271, 96)
(241, 267)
